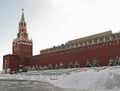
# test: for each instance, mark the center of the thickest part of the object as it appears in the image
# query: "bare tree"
(76, 65)
(88, 64)
(61, 66)
(70, 65)
(95, 63)
(111, 62)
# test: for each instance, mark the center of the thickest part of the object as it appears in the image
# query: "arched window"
(104, 39)
(95, 41)
(6, 62)
(83, 43)
(88, 43)
(78, 44)
(98, 40)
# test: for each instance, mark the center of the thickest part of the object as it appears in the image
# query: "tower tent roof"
(22, 17)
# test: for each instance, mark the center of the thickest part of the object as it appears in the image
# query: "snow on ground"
(82, 79)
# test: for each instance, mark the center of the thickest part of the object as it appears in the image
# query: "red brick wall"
(102, 52)
(23, 50)
(12, 62)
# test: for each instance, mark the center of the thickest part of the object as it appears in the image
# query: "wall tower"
(22, 45)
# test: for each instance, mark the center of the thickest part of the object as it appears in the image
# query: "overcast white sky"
(53, 22)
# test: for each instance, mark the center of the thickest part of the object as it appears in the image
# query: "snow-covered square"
(76, 79)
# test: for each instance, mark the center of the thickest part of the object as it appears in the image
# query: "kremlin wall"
(100, 47)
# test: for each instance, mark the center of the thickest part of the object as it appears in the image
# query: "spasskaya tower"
(22, 45)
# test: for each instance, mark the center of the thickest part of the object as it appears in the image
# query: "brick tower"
(21, 49)
(22, 45)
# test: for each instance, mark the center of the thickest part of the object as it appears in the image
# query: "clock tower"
(22, 45)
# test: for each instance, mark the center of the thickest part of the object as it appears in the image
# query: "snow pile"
(82, 79)
(90, 79)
